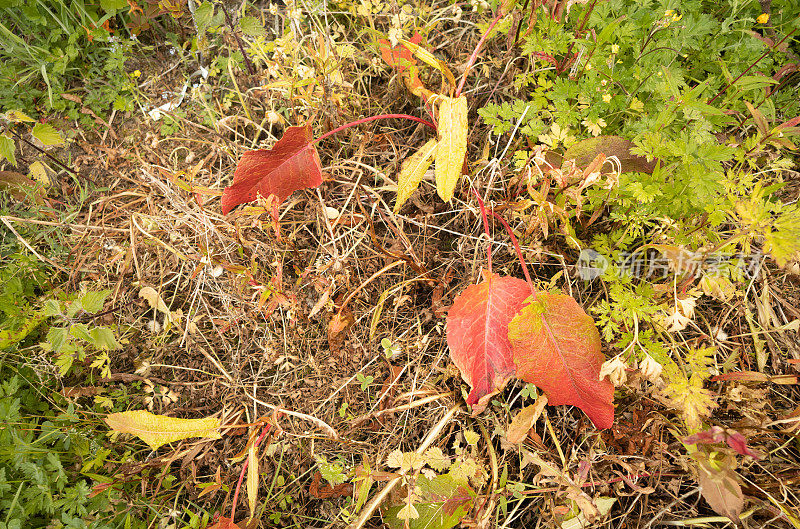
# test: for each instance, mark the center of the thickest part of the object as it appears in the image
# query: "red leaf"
(399, 56)
(477, 334)
(556, 346)
(402, 58)
(223, 523)
(291, 164)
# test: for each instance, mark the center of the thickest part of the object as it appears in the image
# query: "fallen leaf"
(524, 420)
(412, 172)
(452, 126)
(252, 479)
(223, 523)
(156, 430)
(155, 301)
(477, 334)
(556, 346)
(338, 326)
(323, 491)
(20, 186)
(292, 164)
(720, 488)
(584, 151)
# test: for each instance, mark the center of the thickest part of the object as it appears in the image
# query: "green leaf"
(103, 338)
(16, 116)
(112, 6)
(7, 149)
(443, 502)
(93, 301)
(14, 336)
(81, 332)
(56, 337)
(333, 473)
(203, 16)
(46, 134)
(252, 27)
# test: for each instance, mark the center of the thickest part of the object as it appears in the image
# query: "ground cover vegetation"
(362, 263)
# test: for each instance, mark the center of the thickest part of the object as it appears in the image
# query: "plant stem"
(250, 68)
(474, 56)
(518, 250)
(51, 157)
(725, 88)
(486, 230)
(244, 469)
(373, 118)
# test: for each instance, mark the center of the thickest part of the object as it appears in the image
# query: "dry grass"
(251, 334)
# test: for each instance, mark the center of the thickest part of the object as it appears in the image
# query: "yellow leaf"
(429, 59)
(155, 301)
(156, 430)
(763, 18)
(452, 126)
(252, 479)
(38, 172)
(412, 171)
(524, 420)
(45, 133)
(17, 116)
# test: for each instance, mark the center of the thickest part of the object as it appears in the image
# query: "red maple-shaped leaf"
(477, 334)
(556, 346)
(292, 164)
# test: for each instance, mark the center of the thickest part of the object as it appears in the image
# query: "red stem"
(244, 469)
(518, 250)
(373, 118)
(474, 56)
(724, 89)
(486, 230)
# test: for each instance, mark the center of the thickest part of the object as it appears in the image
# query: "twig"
(250, 68)
(30, 248)
(53, 158)
(373, 118)
(474, 56)
(319, 422)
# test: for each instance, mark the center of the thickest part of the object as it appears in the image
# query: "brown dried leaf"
(720, 488)
(524, 420)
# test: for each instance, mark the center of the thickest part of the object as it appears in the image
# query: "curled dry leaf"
(292, 164)
(452, 126)
(524, 420)
(338, 327)
(413, 171)
(153, 299)
(477, 334)
(556, 346)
